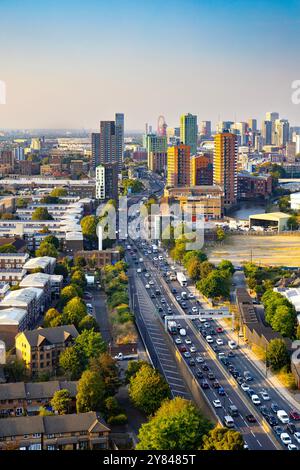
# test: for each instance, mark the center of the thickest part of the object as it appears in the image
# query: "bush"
(118, 419)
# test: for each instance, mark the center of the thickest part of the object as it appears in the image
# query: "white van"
(283, 417)
(182, 332)
(232, 344)
(228, 421)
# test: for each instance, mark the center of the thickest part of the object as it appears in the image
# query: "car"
(283, 417)
(250, 392)
(216, 384)
(245, 387)
(221, 391)
(204, 384)
(232, 344)
(285, 438)
(199, 359)
(205, 367)
(292, 447)
(188, 340)
(272, 420)
(202, 320)
(248, 377)
(250, 418)
(191, 296)
(147, 286)
(231, 354)
(174, 290)
(240, 380)
(264, 410)
(209, 339)
(294, 415)
(297, 436)
(163, 300)
(192, 362)
(255, 400)
(291, 428)
(182, 348)
(265, 396)
(207, 325)
(147, 275)
(219, 329)
(219, 342)
(151, 283)
(187, 354)
(199, 374)
(193, 349)
(217, 404)
(274, 407)
(211, 375)
(178, 341)
(152, 296)
(178, 298)
(278, 430)
(194, 310)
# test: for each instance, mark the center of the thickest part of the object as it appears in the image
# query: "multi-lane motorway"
(152, 308)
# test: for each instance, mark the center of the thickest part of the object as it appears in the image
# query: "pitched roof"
(59, 334)
(35, 390)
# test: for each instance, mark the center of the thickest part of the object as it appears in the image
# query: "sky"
(71, 63)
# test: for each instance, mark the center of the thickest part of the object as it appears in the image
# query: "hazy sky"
(71, 63)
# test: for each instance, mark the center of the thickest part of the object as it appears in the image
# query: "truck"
(172, 327)
(181, 279)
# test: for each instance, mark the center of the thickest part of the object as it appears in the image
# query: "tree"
(132, 368)
(194, 269)
(52, 240)
(70, 361)
(41, 213)
(88, 323)
(74, 311)
(220, 234)
(223, 439)
(8, 216)
(47, 249)
(277, 354)
(80, 262)
(15, 370)
(148, 389)
(21, 202)
(44, 412)
(61, 401)
(206, 268)
(78, 278)
(90, 392)
(284, 321)
(51, 315)
(177, 425)
(68, 293)
(61, 269)
(226, 265)
(178, 251)
(90, 344)
(59, 192)
(216, 284)
(89, 226)
(298, 332)
(107, 368)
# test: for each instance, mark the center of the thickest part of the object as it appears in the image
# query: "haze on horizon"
(69, 64)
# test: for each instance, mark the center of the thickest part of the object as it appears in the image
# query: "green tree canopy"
(78, 278)
(226, 265)
(277, 354)
(223, 439)
(194, 269)
(147, 389)
(74, 311)
(90, 392)
(177, 425)
(88, 323)
(68, 293)
(52, 240)
(70, 361)
(107, 368)
(47, 249)
(90, 343)
(59, 192)
(89, 226)
(51, 317)
(8, 248)
(61, 401)
(41, 213)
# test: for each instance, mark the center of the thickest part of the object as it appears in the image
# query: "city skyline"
(93, 59)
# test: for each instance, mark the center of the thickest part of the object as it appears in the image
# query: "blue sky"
(71, 63)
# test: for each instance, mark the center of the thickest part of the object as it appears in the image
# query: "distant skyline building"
(223, 126)
(205, 129)
(119, 122)
(179, 165)
(201, 170)
(95, 149)
(266, 132)
(225, 166)
(281, 132)
(252, 124)
(161, 126)
(189, 131)
(156, 146)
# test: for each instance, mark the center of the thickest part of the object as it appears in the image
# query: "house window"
(36, 435)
